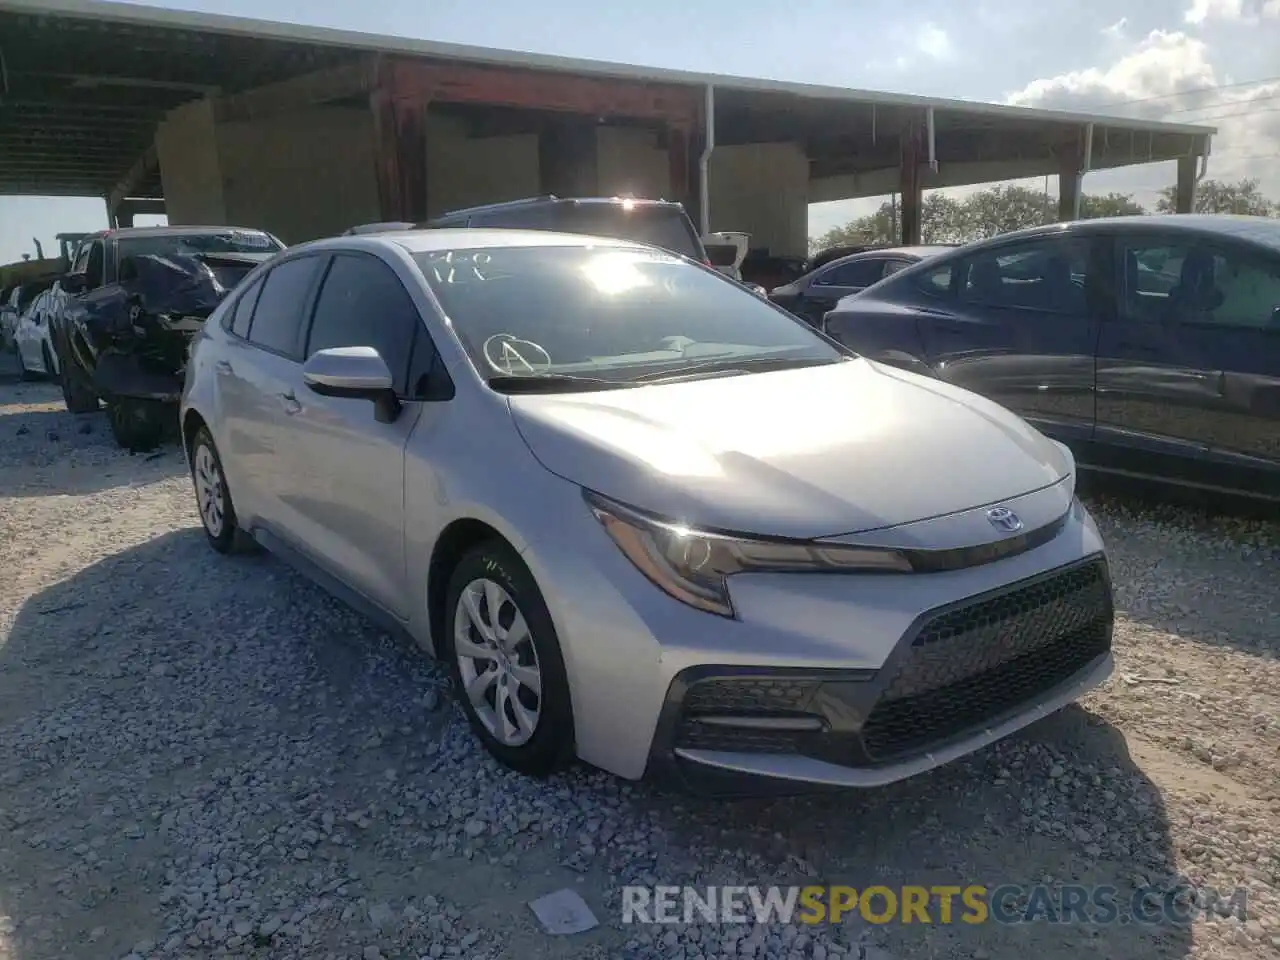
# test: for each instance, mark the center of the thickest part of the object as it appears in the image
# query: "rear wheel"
(213, 498)
(137, 425)
(23, 372)
(77, 391)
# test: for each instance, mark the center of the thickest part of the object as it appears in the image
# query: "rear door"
(1019, 323)
(257, 379)
(830, 283)
(1189, 373)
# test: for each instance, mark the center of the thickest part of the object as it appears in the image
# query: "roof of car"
(174, 231)
(1260, 230)
(550, 199)
(426, 240)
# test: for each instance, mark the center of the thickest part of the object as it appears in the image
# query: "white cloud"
(933, 42)
(1171, 76)
(1116, 30)
(1231, 11)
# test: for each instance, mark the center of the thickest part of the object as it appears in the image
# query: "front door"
(1019, 324)
(1189, 373)
(350, 467)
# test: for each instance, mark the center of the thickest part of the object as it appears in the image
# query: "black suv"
(662, 223)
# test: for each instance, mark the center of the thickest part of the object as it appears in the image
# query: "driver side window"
(362, 303)
(93, 271)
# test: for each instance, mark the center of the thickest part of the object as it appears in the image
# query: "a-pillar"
(910, 184)
(400, 136)
(1184, 198)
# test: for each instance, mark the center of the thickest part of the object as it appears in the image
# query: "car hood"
(812, 452)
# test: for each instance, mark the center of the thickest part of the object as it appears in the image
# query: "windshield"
(232, 241)
(665, 227)
(610, 315)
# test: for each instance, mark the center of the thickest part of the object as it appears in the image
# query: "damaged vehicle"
(136, 297)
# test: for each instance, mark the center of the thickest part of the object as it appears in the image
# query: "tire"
(209, 481)
(77, 391)
(550, 745)
(136, 424)
(26, 375)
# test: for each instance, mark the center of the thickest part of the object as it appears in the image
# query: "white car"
(36, 356)
(589, 476)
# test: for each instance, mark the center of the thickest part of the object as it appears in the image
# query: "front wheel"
(504, 658)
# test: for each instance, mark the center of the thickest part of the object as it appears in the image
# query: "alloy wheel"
(497, 662)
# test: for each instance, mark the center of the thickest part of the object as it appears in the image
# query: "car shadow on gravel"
(1060, 804)
(45, 452)
(193, 745)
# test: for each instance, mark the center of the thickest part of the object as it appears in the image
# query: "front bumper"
(963, 676)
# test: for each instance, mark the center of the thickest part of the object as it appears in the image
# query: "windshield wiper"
(731, 364)
(551, 383)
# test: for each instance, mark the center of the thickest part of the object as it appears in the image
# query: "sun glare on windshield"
(614, 273)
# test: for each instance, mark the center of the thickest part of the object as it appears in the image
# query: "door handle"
(290, 403)
(224, 366)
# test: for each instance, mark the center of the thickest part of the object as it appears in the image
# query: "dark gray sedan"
(818, 291)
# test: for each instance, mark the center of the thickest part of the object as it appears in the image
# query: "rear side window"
(937, 282)
(362, 303)
(1042, 274)
(277, 319)
(239, 320)
(857, 273)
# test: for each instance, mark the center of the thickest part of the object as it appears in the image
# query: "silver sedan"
(589, 476)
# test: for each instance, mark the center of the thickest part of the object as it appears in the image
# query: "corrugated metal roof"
(301, 33)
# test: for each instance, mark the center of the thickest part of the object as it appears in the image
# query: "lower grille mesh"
(969, 665)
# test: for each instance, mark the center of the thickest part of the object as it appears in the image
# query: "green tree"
(1110, 205)
(986, 213)
(1216, 196)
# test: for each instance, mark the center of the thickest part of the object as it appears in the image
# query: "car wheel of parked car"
(213, 498)
(77, 392)
(505, 661)
(135, 424)
(23, 372)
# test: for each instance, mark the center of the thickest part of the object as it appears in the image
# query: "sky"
(1191, 61)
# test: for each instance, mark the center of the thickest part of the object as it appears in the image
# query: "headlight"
(1071, 462)
(693, 565)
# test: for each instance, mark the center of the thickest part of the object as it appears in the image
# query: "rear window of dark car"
(232, 241)
(666, 227)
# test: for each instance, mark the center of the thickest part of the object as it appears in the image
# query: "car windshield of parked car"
(610, 316)
(232, 241)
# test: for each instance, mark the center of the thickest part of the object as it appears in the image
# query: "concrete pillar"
(400, 146)
(567, 157)
(910, 186)
(1184, 200)
(1069, 183)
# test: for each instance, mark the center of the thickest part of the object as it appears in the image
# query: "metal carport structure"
(85, 84)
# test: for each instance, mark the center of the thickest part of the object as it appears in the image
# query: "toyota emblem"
(1004, 519)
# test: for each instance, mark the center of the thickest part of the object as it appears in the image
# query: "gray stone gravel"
(203, 756)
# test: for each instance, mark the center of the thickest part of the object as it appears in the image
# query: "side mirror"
(354, 373)
(74, 283)
(721, 254)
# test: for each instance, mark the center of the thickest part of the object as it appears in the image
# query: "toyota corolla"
(645, 518)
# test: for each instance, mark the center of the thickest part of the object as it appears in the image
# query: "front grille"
(969, 665)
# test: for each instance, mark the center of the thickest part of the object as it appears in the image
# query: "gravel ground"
(206, 756)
